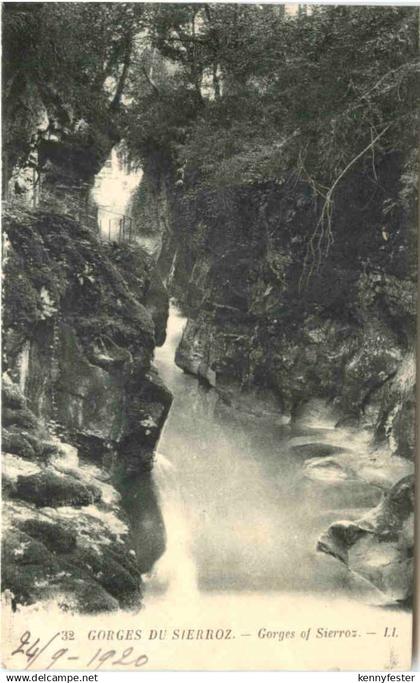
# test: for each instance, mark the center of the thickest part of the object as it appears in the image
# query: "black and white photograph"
(209, 255)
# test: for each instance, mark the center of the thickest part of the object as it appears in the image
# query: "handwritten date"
(32, 648)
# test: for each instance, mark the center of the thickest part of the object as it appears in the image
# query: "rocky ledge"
(380, 545)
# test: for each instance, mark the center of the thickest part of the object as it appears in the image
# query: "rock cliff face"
(347, 336)
(83, 409)
(51, 152)
(267, 340)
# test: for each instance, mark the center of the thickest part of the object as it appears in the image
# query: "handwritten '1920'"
(33, 649)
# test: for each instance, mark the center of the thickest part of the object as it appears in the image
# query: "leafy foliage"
(245, 95)
(68, 59)
(229, 96)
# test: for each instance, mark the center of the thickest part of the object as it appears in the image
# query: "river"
(242, 522)
(239, 511)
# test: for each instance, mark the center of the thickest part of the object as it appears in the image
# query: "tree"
(259, 96)
(73, 58)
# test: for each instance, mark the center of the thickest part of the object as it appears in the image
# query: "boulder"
(11, 395)
(21, 417)
(317, 450)
(109, 572)
(379, 546)
(17, 443)
(84, 597)
(47, 489)
(56, 537)
(27, 566)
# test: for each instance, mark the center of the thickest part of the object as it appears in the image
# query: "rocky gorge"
(269, 346)
(280, 222)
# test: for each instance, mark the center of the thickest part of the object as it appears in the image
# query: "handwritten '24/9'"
(33, 650)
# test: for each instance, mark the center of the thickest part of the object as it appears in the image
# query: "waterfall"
(176, 571)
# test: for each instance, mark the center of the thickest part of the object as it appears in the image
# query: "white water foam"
(176, 571)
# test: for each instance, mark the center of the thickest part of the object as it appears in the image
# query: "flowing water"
(239, 511)
(242, 523)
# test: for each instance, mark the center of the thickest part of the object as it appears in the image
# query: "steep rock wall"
(81, 428)
(347, 336)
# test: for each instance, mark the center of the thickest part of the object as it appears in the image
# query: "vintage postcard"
(209, 260)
